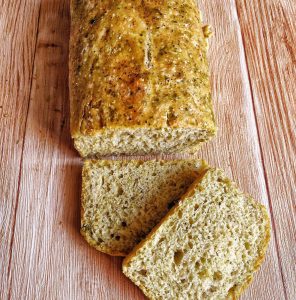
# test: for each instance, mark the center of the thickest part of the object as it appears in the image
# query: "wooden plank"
(18, 27)
(236, 149)
(269, 34)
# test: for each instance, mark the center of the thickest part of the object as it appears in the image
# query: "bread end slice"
(207, 247)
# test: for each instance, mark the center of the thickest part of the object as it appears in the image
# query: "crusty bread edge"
(101, 249)
(237, 291)
(73, 35)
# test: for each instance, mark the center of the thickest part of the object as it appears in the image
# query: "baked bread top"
(138, 64)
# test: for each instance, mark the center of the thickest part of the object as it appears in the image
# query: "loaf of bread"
(207, 247)
(139, 79)
(123, 200)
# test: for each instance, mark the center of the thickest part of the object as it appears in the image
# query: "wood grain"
(269, 33)
(18, 27)
(252, 61)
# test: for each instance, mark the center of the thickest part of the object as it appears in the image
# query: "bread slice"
(123, 200)
(139, 78)
(207, 247)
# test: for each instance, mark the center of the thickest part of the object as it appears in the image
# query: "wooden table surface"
(253, 69)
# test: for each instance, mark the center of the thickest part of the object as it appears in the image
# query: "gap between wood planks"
(246, 66)
(21, 160)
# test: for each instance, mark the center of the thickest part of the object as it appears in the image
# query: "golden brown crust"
(101, 249)
(138, 63)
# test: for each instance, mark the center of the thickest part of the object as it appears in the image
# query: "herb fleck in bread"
(207, 247)
(139, 79)
(123, 200)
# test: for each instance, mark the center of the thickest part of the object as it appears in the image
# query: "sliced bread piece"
(207, 247)
(123, 200)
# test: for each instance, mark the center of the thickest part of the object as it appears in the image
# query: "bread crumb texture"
(139, 77)
(123, 200)
(207, 247)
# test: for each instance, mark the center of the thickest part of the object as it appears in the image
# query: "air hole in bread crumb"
(217, 276)
(203, 260)
(180, 214)
(196, 206)
(178, 256)
(213, 289)
(143, 272)
(247, 245)
(190, 245)
(191, 221)
(119, 191)
(123, 224)
(203, 274)
(117, 238)
(197, 265)
(161, 240)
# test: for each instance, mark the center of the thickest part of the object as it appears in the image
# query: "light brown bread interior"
(123, 200)
(207, 247)
(141, 141)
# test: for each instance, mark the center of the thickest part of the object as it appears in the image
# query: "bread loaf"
(139, 79)
(123, 200)
(207, 247)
